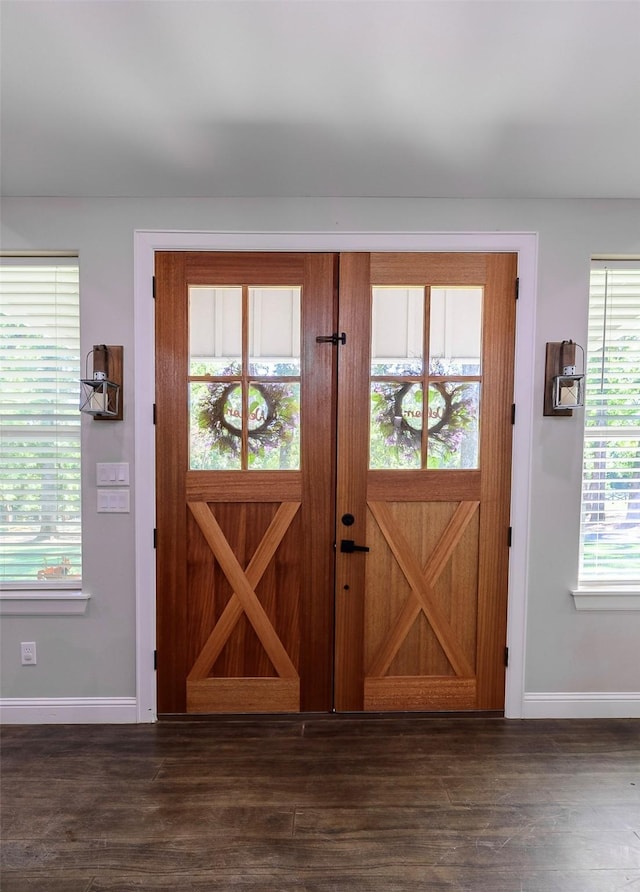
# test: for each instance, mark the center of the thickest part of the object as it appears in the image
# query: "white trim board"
(614, 597)
(43, 603)
(68, 710)
(572, 705)
(147, 242)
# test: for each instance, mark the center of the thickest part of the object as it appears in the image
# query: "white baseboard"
(123, 710)
(67, 710)
(596, 705)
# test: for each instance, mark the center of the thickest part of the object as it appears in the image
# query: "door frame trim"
(147, 242)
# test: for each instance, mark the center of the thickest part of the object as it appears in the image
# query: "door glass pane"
(274, 331)
(455, 331)
(396, 424)
(396, 333)
(274, 426)
(215, 421)
(453, 424)
(215, 329)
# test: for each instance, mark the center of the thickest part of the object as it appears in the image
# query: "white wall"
(93, 656)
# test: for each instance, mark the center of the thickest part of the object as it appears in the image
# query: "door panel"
(404, 451)
(245, 556)
(428, 600)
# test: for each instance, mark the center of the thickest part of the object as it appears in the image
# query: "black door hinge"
(334, 339)
(509, 536)
(155, 659)
(153, 287)
(517, 288)
(513, 413)
(155, 537)
(155, 414)
(506, 656)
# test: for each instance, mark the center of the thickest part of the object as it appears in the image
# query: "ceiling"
(432, 98)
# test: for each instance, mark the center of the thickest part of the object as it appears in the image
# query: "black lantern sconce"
(563, 386)
(101, 394)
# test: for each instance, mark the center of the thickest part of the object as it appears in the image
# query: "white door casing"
(146, 243)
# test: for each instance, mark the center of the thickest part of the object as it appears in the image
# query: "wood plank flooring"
(323, 804)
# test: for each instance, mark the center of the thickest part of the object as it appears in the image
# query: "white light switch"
(112, 473)
(113, 501)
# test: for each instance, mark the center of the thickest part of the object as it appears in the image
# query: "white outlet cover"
(28, 653)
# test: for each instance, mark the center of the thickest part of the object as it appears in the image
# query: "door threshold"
(297, 717)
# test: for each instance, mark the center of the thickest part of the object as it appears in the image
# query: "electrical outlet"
(28, 653)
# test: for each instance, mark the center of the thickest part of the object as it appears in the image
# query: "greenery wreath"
(451, 418)
(273, 411)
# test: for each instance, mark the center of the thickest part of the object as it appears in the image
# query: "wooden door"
(424, 466)
(245, 482)
(277, 463)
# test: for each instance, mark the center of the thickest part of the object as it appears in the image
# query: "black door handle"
(348, 546)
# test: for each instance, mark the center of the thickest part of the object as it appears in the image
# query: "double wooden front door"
(333, 480)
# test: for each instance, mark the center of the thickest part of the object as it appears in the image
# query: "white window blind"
(39, 423)
(610, 521)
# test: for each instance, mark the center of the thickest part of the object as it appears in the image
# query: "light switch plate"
(113, 501)
(112, 473)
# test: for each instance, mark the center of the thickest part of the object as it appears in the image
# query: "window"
(610, 516)
(39, 424)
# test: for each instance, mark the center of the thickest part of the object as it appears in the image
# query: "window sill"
(44, 602)
(607, 597)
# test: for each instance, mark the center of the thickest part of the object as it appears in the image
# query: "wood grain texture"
(393, 268)
(353, 460)
(448, 618)
(431, 485)
(171, 464)
(406, 608)
(225, 695)
(432, 693)
(493, 557)
(243, 589)
(421, 588)
(317, 516)
(248, 268)
(430, 574)
(215, 626)
(371, 804)
(234, 608)
(239, 486)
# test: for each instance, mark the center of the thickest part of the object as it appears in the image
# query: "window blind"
(39, 423)
(610, 516)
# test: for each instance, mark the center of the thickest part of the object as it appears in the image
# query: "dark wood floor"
(317, 804)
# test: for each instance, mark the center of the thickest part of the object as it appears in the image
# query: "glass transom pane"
(455, 331)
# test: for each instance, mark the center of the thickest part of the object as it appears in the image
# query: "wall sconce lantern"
(100, 394)
(564, 388)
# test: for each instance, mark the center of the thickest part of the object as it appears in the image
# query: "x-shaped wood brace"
(244, 583)
(422, 581)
